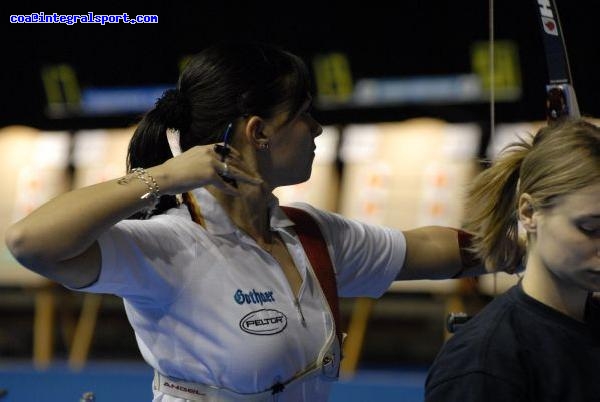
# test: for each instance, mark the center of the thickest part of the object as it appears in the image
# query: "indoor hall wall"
(33, 169)
(409, 174)
(100, 155)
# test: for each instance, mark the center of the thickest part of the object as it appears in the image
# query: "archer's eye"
(590, 229)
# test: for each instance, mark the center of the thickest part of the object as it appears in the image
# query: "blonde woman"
(539, 341)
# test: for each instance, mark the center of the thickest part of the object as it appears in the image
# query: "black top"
(518, 349)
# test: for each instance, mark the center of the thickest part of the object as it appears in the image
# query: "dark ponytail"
(149, 146)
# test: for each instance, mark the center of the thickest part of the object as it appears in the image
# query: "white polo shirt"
(208, 305)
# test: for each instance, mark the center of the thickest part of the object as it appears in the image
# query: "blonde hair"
(558, 160)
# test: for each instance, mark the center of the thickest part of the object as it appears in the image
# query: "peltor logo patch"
(264, 322)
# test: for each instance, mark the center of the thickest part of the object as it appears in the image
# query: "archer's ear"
(254, 132)
(527, 215)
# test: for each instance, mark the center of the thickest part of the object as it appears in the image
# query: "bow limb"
(560, 93)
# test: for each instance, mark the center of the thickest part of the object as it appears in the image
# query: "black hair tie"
(173, 109)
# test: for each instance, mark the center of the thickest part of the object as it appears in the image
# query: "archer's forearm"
(437, 252)
(68, 224)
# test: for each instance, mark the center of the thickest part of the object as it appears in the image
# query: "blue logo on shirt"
(253, 297)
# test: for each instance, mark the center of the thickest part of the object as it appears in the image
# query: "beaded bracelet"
(153, 193)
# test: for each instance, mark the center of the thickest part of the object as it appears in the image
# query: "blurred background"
(403, 91)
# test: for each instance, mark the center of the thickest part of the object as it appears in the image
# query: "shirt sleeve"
(139, 258)
(366, 258)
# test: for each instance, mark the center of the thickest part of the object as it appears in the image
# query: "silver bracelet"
(153, 193)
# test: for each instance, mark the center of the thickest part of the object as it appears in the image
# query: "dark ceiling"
(388, 39)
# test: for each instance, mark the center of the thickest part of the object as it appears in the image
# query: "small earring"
(263, 146)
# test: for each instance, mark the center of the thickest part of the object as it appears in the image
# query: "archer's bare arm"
(434, 252)
(59, 239)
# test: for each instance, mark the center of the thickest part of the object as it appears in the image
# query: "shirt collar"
(218, 222)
